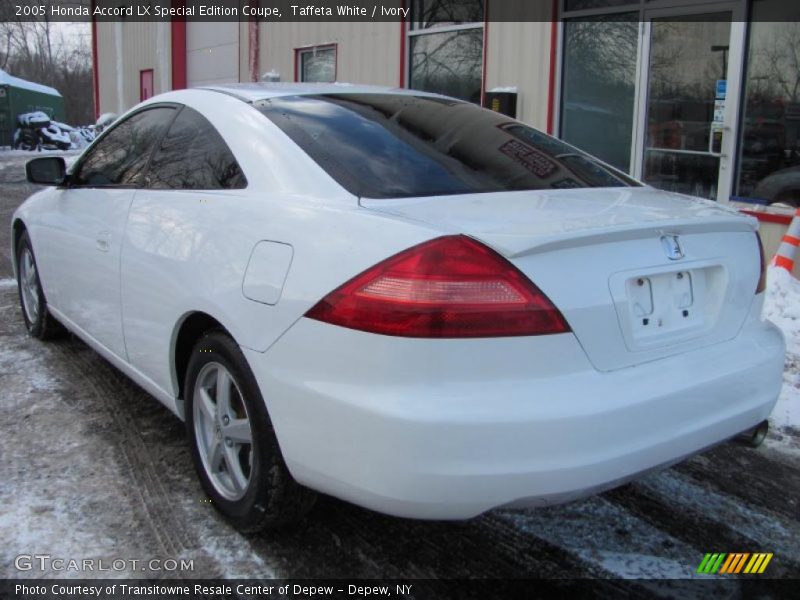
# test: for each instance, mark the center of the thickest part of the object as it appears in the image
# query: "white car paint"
(84, 240)
(428, 428)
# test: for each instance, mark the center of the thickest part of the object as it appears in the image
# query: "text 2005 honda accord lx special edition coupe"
(397, 298)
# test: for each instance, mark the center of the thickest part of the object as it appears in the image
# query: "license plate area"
(662, 303)
(668, 305)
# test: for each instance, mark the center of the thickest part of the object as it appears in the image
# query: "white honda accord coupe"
(397, 298)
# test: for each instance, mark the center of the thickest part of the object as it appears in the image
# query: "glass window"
(317, 64)
(193, 156)
(449, 63)
(586, 4)
(438, 13)
(769, 165)
(688, 65)
(119, 157)
(393, 145)
(599, 80)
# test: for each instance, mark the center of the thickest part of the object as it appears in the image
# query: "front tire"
(232, 441)
(38, 320)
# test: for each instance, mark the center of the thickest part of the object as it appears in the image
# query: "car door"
(180, 240)
(84, 241)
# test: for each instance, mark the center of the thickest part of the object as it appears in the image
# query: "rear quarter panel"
(187, 251)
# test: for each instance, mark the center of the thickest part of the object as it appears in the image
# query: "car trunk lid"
(638, 273)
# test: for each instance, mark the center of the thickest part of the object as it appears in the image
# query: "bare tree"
(38, 50)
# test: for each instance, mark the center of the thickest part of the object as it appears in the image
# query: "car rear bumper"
(448, 429)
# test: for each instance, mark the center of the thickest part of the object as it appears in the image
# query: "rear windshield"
(396, 146)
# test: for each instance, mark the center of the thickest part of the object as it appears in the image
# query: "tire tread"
(282, 501)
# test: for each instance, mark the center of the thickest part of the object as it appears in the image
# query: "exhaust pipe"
(756, 436)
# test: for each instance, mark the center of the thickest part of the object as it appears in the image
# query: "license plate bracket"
(668, 304)
(662, 303)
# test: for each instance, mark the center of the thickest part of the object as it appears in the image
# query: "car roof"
(252, 92)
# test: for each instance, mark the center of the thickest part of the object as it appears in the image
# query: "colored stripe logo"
(734, 563)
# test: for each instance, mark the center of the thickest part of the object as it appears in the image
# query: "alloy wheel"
(29, 285)
(223, 431)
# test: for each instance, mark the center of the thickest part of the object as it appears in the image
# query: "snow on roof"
(6, 79)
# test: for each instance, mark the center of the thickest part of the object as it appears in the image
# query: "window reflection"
(586, 4)
(688, 65)
(448, 63)
(318, 65)
(193, 156)
(769, 169)
(385, 146)
(687, 58)
(599, 85)
(437, 13)
(119, 157)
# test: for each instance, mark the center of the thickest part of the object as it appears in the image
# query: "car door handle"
(103, 241)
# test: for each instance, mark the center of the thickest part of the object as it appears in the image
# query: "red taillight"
(449, 287)
(762, 279)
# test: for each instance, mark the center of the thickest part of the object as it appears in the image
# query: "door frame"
(735, 81)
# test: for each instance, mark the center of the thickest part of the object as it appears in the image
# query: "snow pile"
(782, 307)
(34, 119)
(105, 120)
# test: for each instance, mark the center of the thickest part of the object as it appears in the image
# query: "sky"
(74, 31)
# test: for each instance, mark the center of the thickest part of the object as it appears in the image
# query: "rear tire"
(233, 443)
(38, 320)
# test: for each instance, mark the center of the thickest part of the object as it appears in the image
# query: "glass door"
(691, 72)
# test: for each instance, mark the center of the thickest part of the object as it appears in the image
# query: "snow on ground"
(782, 307)
(70, 156)
(12, 162)
(696, 498)
(600, 532)
(6, 151)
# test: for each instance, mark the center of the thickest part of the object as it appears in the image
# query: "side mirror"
(48, 170)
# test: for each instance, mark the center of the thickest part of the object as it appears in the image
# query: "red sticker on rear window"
(534, 161)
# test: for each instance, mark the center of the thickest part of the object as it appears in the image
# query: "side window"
(193, 156)
(120, 157)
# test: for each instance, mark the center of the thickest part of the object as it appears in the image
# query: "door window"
(193, 156)
(769, 165)
(119, 157)
(685, 103)
(599, 83)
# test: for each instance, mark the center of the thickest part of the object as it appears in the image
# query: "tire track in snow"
(149, 496)
(610, 538)
(361, 543)
(696, 513)
(119, 418)
(164, 507)
(60, 498)
(749, 475)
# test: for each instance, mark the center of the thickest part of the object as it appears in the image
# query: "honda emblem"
(672, 247)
